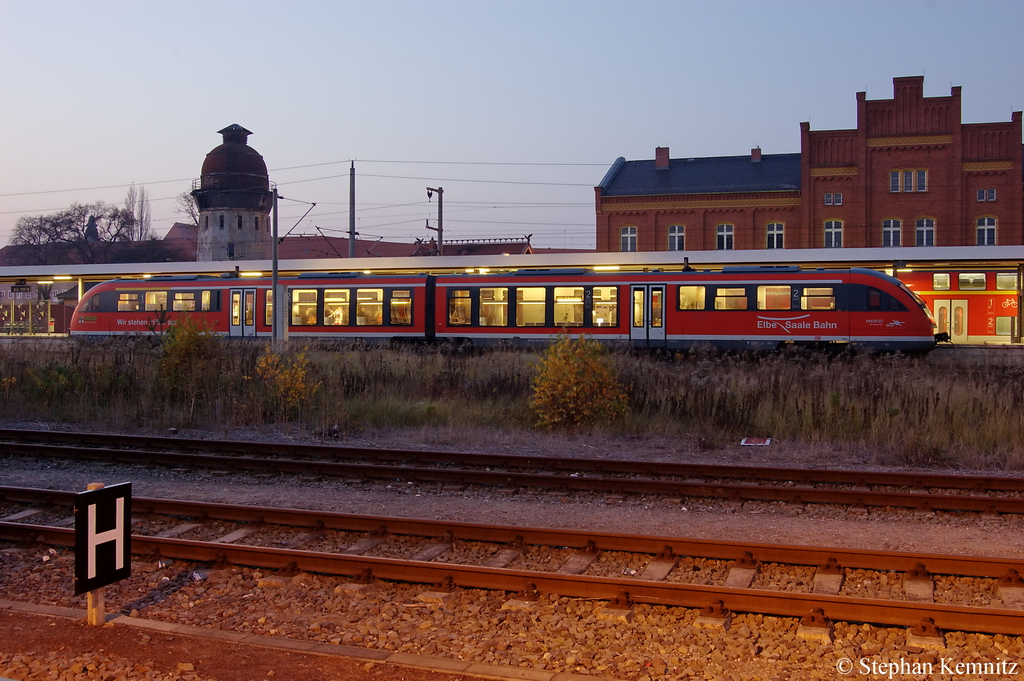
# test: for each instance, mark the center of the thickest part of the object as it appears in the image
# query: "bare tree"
(82, 227)
(137, 203)
(186, 205)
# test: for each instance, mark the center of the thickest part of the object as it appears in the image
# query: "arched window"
(774, 232)
(834, 234)
(676, 238)
(891, 233)
(924, 232)
(725, 236)
(627, 239)
(986, 231)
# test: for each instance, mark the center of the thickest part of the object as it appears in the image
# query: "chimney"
(755, 155)
(661, 158)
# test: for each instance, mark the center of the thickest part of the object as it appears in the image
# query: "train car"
(973, 307)
(756, 308)
(340, 306)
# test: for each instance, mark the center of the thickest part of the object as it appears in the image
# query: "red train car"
(342, 306)
(972, 306)
(756, 308)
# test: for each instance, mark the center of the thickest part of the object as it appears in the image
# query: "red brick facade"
(910, 174)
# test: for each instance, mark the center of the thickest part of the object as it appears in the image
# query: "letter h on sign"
(103, 536)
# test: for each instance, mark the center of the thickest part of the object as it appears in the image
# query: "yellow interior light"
(63, 277)
(606, 268)
(45, 281)
(251, 274)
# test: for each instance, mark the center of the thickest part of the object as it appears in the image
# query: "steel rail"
(971, 566)
(735, 492)
(787, 604)
(800, 476)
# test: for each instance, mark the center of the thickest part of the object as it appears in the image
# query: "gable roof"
(708, 175)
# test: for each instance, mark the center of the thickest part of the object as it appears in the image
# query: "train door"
(243, 312)
(951, 317)
(647, 319)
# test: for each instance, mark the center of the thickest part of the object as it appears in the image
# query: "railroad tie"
(580, 561)
(177, 530)
(660, 567)
(828, 578)
(742, 574)
(714, 616)
(21, 514)
(815, 627)
(918, 585)
(926, 635)
(1010, 589)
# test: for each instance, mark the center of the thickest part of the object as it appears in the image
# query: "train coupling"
(942, 337)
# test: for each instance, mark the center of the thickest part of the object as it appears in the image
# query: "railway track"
(430, 553)
(857, 489)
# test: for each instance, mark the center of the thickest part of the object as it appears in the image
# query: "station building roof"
(707, 175)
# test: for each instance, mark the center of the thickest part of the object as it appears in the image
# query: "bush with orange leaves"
(576, 386)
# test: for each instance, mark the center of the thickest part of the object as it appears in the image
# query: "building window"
(206, 222)
(239, 222)
(627, 239)
(891, 233)
(774, 231)
(908, 181)
(986, 231)
(834, 234)
(986, 194)
(256, 222)
(924, 233)
(834, 199)
(222, 222)
(725, 236)
(676, 238)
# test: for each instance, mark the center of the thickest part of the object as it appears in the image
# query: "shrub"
(576, 386)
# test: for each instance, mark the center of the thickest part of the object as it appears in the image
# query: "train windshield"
(919, 300)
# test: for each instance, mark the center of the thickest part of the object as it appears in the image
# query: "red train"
(976, 306)
(737, 308)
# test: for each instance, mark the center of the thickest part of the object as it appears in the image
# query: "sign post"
(102, 542)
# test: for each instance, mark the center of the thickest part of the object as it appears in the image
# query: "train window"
(972, 281)
(877, 300)
(336, 307)
(731, 299)
(1004, 326)
(818, 299)
(401, 307)
(530, 306)
(773, 297)
(691, 297)
(128, 302)
(268, 309)
(494, 307)
(460, 308)
(369, 306)
(156, 300)
(184, 302)
(940, 281)
(304, 307)
(568, 306)
(92, 304)
(1006, 281)
(606, 306)
(206, 301)
(236, 308)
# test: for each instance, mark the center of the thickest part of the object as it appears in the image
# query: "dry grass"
(906, 410)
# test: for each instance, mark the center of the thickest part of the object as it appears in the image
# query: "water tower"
(234, 200)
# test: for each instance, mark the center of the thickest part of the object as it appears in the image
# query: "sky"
(516, 109)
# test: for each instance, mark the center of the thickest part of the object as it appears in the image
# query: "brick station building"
(911, 175)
